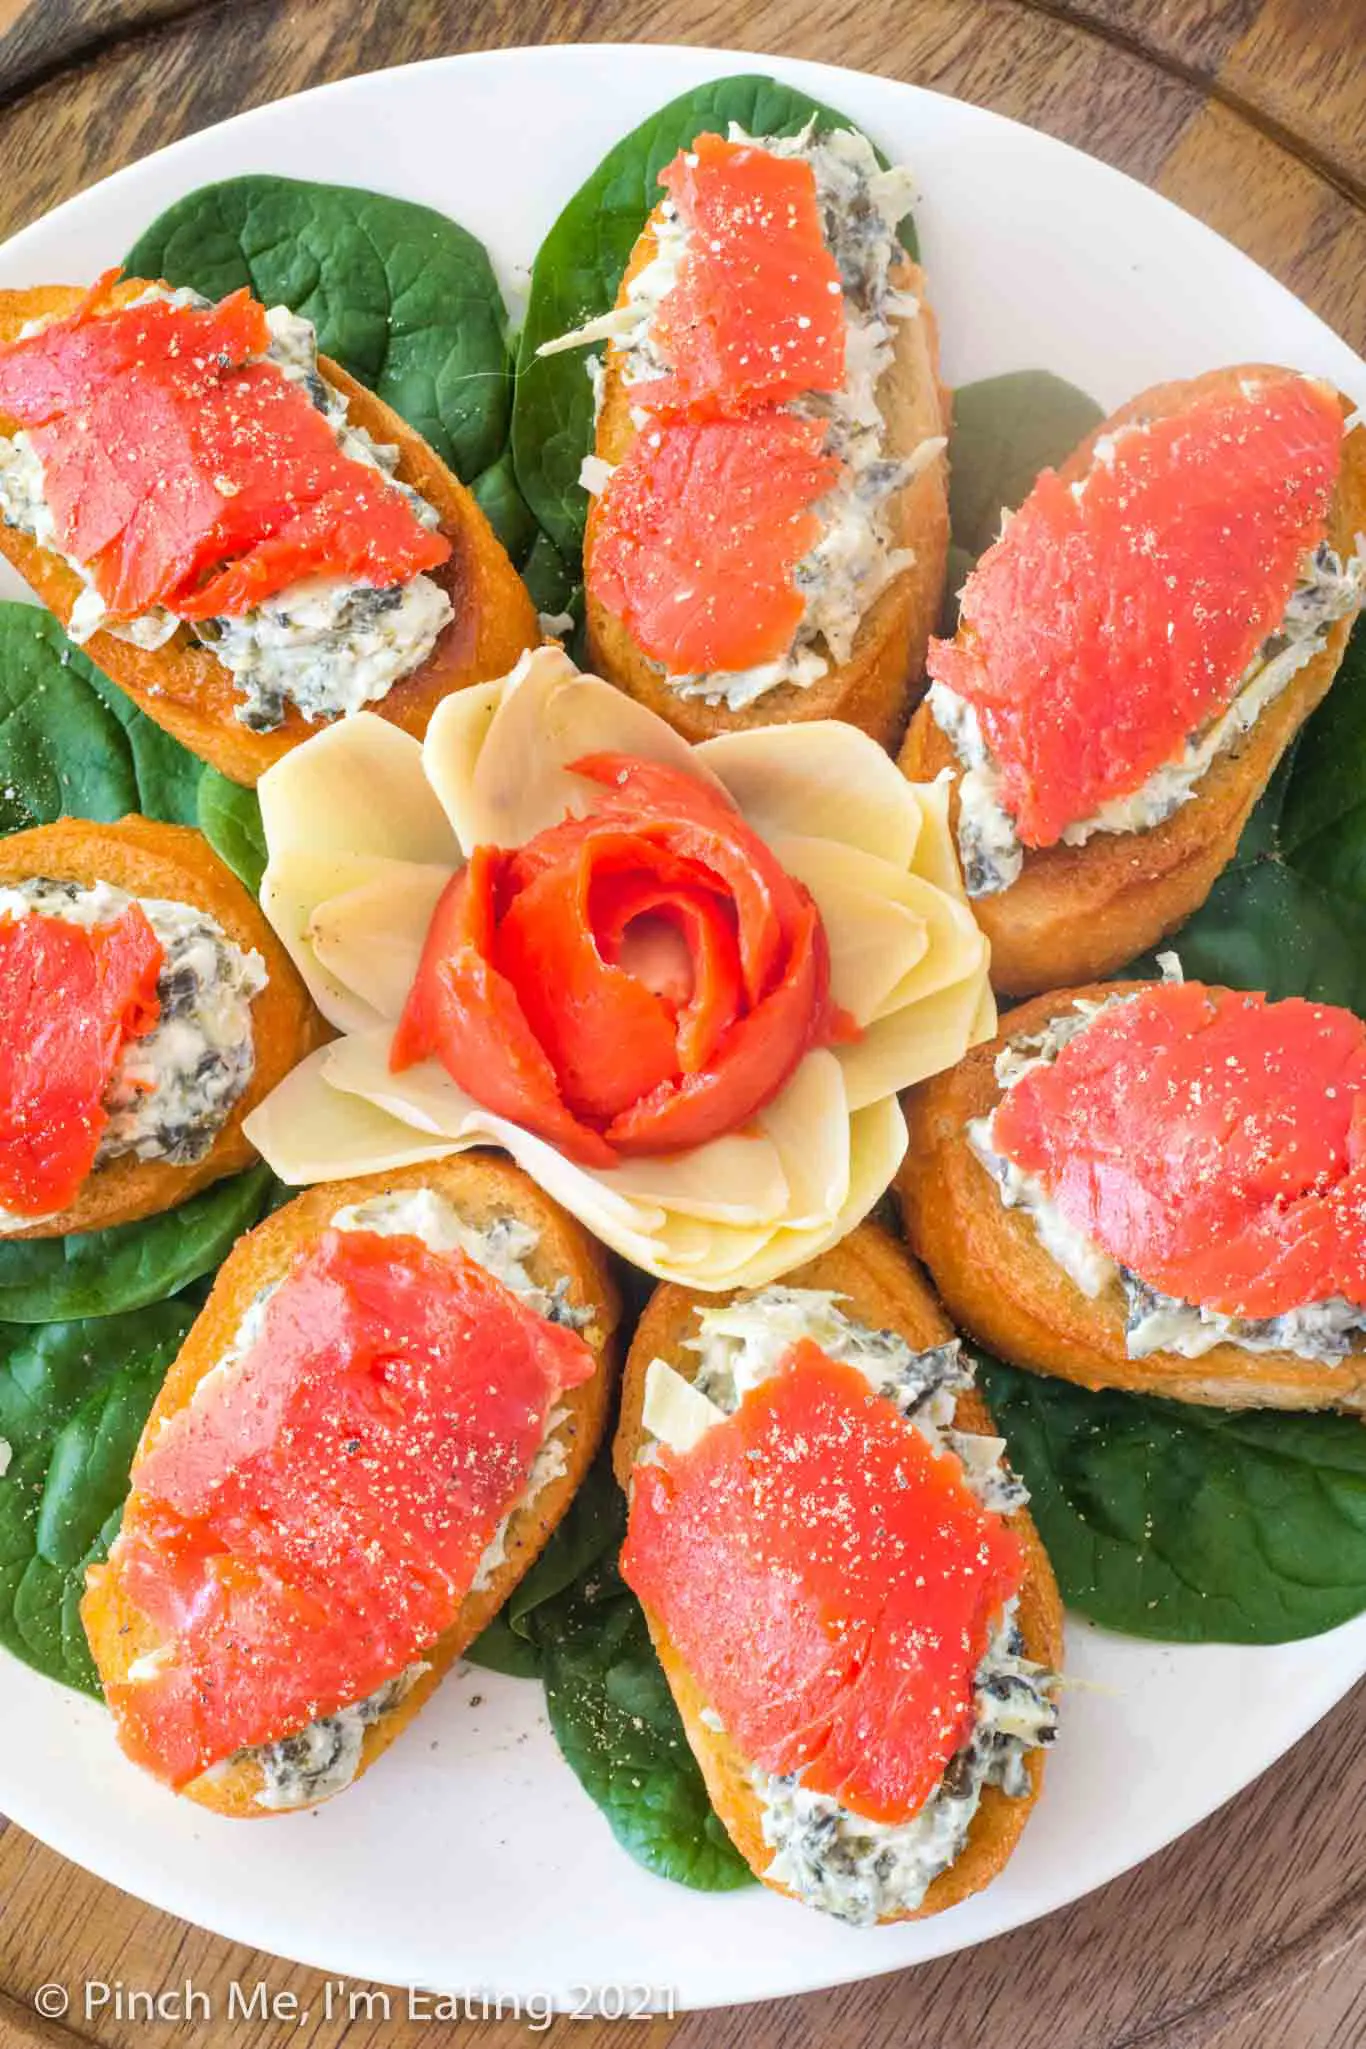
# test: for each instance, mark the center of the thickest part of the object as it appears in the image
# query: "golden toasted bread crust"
(874, 688)
(885, 1290)
(175, 863)
(188, 692)
(999, 1283)
(1079, 912)
(482, 1186)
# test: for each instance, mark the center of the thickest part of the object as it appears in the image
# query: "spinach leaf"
(552, 585)
(71, 743)
(1289, 913)
(73, 1400)
(505, 509)
(573, 1623)
(401, 296)
(592, 1526)
(615, 1721)
(1322, 816)
(579, 268)
(589, 1528)
(229, 817)
(499, 1648)
(1190, 1525)
(94, 1274)
(1005, 430)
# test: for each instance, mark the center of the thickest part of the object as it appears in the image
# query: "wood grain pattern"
(1251, 114)
(1291, 68)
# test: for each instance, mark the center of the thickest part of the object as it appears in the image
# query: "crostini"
(147, 1009)
(1134, 656)
(769, 526)
(815, 1487)
(245, 539)
(372, 1428)
(1155, 1186)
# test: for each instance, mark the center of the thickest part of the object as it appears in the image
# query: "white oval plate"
(469, 1859)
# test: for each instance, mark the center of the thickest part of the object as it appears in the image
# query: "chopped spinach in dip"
(860, 1870)
(1154, 1322)
(323, 645)
(860, 549)
(171, 1091)
(1328, 590)
(322, 1758)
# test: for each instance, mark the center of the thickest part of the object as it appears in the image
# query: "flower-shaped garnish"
(681, 986)
(640, 980)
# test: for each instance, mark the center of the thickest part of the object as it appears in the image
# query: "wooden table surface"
(1251, 114)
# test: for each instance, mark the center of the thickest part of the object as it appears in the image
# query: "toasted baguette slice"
(998, 1282)
(171, 862)
(189, 692)
(874, 688)
(1076, 913)
(885, 1290)
(482, 1186)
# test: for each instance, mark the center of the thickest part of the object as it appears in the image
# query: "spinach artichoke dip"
(172, 1091)
(323, 1758)
(859, 551)
(1154, 1322)
(323, 645)
(858, 1870)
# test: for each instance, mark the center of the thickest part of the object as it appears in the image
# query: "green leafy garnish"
(615, 1721)
(71, 744)
(1005, 430)
(1193, 1525)
(579, 268)
(574, 1624)
(505, 509)
(73, 1400)
(229, 817)
(499, 1647)
(93, 1274)
(589, 1528)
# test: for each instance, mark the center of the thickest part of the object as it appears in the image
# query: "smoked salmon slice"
(1211, 1141)
(830, 1582)
(67, 362)
(182, 469)
(310, 1522)
(697, 537)
(71, 997)
(550, 993)
(757, 314)
(1118, 614)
